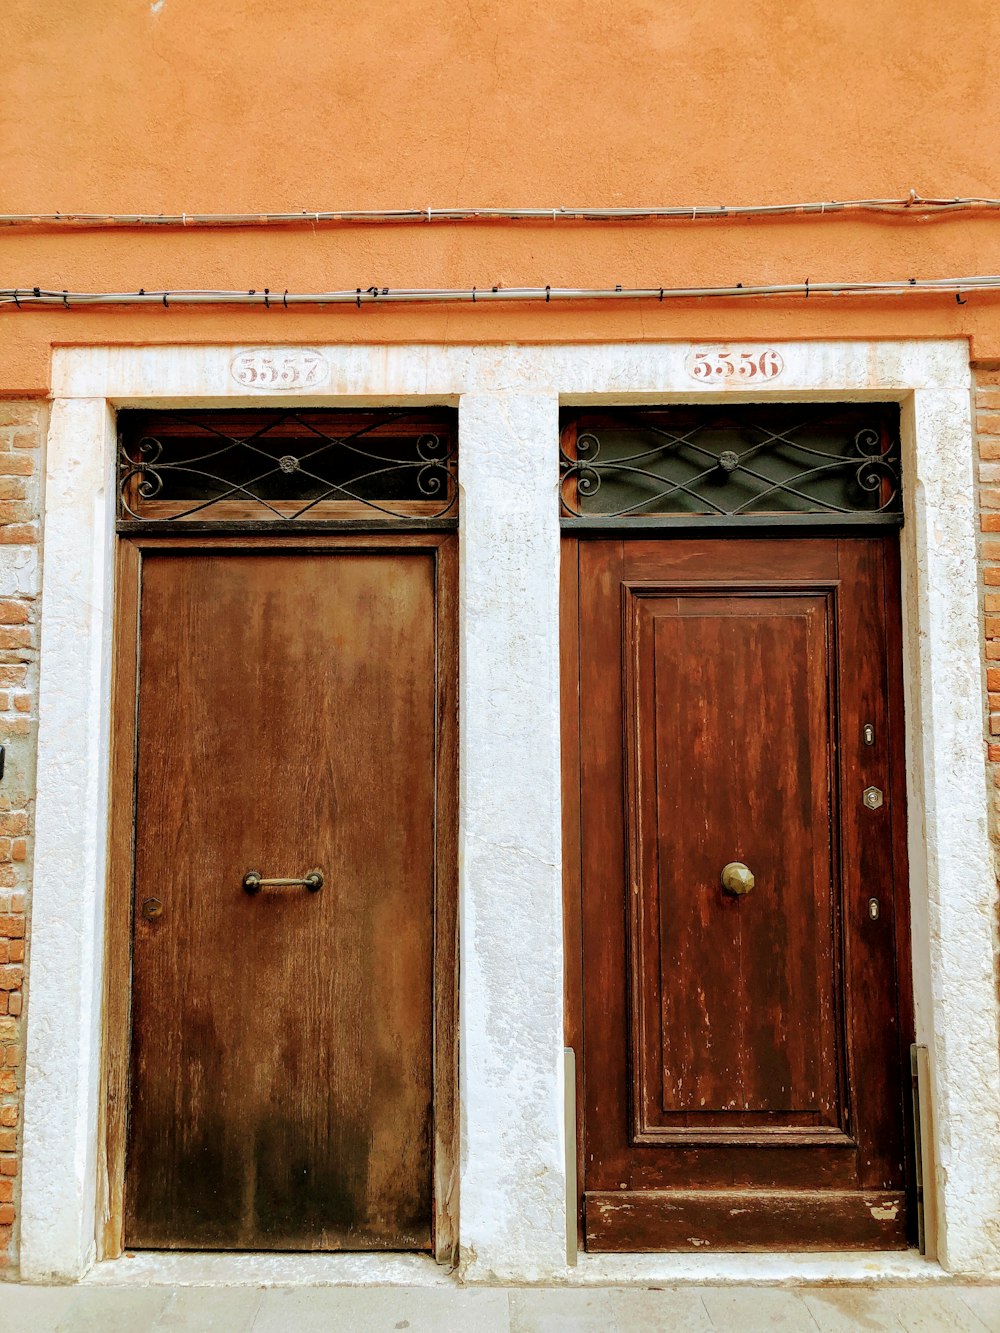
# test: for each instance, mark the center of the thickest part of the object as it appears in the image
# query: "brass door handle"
(253, 882)
(737, 878)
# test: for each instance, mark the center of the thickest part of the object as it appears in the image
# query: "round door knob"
(737, 878)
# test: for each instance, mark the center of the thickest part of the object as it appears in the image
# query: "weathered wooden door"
(292, 722)
(743, 1042)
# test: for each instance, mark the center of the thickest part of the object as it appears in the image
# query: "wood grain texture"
(288, 1049)
(739, 1044)
(746, 1221)
(734, 998)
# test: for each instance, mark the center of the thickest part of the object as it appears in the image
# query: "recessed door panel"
(735, 991)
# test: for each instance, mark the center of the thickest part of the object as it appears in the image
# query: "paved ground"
(480, 1310)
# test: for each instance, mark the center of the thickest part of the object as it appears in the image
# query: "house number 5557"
(742, 366)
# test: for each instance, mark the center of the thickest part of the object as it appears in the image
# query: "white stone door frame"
(513, 1173)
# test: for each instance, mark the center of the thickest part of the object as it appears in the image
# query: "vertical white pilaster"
(951, 864)
(67, 906)
(513, 1187)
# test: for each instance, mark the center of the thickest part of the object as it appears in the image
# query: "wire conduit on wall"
(26, 298)
(914, 205)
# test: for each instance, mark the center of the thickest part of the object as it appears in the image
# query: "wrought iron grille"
(287, 465)
(733, 461)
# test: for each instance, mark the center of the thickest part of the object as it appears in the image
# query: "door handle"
(737, 878)
(253, 882)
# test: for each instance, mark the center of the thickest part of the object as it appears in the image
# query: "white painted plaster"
(18, 571)
(953, 877)
(62, 1061)
(512, 1221)
(513, 1187)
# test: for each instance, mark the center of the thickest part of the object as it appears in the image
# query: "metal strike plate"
(872, 797)
(873, 908)
(868, 732)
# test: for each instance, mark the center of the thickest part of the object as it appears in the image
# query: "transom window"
(304, 465)
(749, 462)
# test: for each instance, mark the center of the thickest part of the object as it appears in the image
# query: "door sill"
(190, 1268)
(151, 1268)
(777, 1269)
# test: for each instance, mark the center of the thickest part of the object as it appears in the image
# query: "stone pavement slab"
(948, 1308)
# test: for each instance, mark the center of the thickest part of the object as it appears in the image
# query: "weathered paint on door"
(742, 1070)
(282, 1064)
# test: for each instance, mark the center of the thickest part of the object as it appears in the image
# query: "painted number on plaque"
(736, 366)
(279, 368)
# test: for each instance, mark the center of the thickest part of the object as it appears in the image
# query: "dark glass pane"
(746, 459)
(286, 464)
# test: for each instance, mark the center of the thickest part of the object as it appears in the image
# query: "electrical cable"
(913, 205)
(25, 298)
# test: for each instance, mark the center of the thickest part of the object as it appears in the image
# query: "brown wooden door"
(283, 1061)
(742, 1072)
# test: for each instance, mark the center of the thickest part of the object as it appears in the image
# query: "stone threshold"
(164, 1268)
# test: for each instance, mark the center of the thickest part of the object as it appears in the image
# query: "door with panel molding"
(743, 934)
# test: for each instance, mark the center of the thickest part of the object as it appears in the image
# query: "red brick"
(992, 632)
(6, 1190)
(987, 523)
(22, 702)
(14, 1002)
(13, 413)
(19, 847)
(13, 822)
(18, 534)
(12, 925)
(8, 1140)
(8, 1081)
(15, 638)
(16, 950)
(8, 1165)
(13, 613)
(6, 1213)
(17, 902)
(989, 450)
(11, 976)
(991, 602)
(12, 1059)
(16, 465)
(8, 1116)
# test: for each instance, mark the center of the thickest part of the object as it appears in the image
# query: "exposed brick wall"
(22, 434)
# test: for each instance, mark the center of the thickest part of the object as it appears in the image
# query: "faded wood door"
(742, 1072)
(289, 720)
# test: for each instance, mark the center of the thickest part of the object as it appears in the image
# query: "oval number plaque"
(734, 365)
(280, 368)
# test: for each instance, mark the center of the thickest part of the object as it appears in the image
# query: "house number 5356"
(741, 366)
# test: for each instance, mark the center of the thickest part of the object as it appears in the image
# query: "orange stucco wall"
(201, 105)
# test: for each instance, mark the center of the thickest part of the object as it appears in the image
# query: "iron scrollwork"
(287, 479)
(760, 469)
